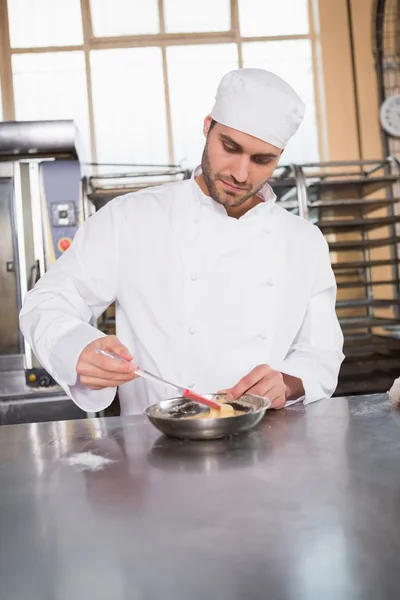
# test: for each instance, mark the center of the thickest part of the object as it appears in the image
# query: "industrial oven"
(41, 207)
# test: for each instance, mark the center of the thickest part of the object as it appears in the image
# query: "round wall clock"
(390, 115)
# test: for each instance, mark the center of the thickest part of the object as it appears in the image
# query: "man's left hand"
(265, 381)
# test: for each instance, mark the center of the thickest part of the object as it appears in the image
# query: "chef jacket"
(201, 298)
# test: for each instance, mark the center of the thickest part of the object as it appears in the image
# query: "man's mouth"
(234, 188)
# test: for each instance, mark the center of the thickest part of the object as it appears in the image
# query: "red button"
(64, 244)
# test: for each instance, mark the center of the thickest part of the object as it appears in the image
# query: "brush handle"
(139, 371)
(200, 399)
(186, 393)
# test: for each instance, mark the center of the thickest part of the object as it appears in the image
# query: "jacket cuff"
(64, 359)
(67, 350)
(90, 400)
(313, 391)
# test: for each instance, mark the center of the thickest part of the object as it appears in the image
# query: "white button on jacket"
(140, 251)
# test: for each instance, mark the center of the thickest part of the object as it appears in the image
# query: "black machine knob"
(38, 377)
(44, 381)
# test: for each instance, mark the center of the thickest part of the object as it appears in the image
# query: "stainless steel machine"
(46, 191)
(41, 206)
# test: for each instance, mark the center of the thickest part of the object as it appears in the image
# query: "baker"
(216, 287)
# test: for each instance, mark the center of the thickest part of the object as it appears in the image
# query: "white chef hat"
(260, 104)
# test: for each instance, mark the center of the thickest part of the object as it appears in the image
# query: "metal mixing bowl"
(167, 417)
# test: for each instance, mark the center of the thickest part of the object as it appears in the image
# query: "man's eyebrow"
(229, 140)
(267, 155)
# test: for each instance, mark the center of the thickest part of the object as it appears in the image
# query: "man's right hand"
(98, 371)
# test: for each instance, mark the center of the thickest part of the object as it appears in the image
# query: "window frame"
(162, 40)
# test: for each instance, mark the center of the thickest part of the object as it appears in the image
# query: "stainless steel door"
(9, 335)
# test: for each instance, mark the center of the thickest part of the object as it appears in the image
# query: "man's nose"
(240, 168)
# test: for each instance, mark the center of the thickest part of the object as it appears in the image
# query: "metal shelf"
(375, 384)
(371, 351)
(362, 186)
(365, 366)
(355, 244)
(367, 302)
(334, 225)
(350, 202)
(368, 203)
(366, 322)
(364, 264)
(354, 284)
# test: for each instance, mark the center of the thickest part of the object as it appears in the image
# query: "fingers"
(92, 370)
(271, 386)
(275, 394)
(98, 371)
(261, 381)
(249, 381)
(97, 383)
(107, 379)
(112, 343)
(278, 402)
(109, 365)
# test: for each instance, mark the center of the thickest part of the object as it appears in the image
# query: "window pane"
(129, 105)
(52, 86)
(207, 15)
(268, 17)
(45, 23)
(124, 17)
(291, 60)
(194, 73)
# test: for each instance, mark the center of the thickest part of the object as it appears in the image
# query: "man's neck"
(233, 211)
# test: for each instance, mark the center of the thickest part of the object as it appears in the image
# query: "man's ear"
(207, 125)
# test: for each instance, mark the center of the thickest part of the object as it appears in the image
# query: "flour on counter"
(87, 461)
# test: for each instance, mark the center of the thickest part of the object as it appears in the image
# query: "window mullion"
(166, 85)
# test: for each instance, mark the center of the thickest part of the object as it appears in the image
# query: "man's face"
(235, 165)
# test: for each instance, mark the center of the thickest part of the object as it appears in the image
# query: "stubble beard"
(225, 198)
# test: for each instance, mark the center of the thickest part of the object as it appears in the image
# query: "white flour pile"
(87, 461)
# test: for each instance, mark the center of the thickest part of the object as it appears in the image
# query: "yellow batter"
(226, 410)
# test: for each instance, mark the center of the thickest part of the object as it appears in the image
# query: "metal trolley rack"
(357, 207)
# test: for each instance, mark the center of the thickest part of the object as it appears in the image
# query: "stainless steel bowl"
(165, 416)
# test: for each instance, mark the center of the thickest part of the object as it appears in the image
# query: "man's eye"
(261, 161)
(229, 149)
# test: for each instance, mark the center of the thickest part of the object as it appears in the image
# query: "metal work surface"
(38, 409)
(20, 403)
(304, 507)
(13, 387)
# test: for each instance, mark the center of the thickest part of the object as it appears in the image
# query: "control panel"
(62, 188)
(38, 378)
(63, 214)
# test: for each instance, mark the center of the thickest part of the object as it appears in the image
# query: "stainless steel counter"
(305, 507)
(20, 403)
